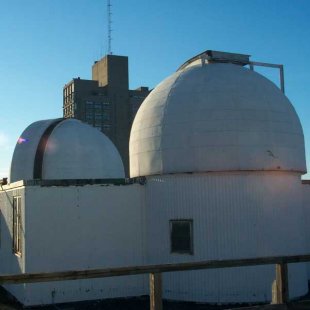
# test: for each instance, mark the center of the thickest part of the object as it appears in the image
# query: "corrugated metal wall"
(235, 215)
(306, 207)
(9, 262)
(84, 227)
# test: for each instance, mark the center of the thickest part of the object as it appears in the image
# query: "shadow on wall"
(11, 261)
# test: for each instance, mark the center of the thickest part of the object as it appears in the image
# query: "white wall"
(83, 227)
(306, 206)
(235, 215)
(9, 262)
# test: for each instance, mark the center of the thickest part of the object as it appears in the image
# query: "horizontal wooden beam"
(147, 269)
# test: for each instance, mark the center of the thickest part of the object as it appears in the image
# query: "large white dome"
(64, 149)
(216, 117)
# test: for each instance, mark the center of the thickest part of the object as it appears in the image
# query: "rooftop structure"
(64, 149)
(216, 116)
(106, 102)
(216, 158)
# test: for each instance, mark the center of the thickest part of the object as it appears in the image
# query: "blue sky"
(45, 43)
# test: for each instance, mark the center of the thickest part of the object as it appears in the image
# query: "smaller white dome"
(64, 149)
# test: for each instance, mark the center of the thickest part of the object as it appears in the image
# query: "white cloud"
(4, 140)
(6, 148)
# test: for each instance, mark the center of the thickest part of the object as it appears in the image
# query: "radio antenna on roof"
(109, 5)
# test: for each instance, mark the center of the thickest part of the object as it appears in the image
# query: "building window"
(181, 236)
(98, 117)
(89, 117)
(106, 127)
(106, 115)
(89, 104)
(17, 226)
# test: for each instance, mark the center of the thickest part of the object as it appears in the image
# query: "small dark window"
(181, 234)
(17, 226)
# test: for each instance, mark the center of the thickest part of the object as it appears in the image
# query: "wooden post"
(282, 295)
(156, 302)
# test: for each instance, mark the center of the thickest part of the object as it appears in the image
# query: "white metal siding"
(235, 215)
(306, 207)
(82, 227)
(9, 262)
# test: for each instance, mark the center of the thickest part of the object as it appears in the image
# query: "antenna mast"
(109, 27)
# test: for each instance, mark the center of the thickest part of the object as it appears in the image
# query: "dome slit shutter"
(38, 159)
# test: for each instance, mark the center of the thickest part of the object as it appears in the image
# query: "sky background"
(45, 43)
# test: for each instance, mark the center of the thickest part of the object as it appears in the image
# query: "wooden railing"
(155, 273)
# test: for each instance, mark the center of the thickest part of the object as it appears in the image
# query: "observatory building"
(58, 149)
(220, 151)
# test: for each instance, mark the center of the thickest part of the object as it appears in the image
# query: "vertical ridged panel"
(236, 215)
(306, 209)
(84, 227)
(9, 262)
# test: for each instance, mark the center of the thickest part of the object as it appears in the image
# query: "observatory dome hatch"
(215, 117)
(64, 149)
